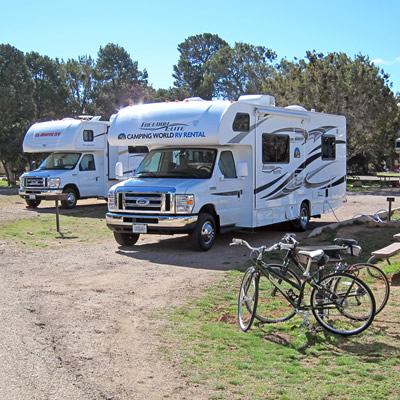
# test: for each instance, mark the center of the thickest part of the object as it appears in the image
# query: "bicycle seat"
(313, 254)
(347, 242)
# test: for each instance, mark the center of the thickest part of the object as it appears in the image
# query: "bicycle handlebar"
(288, 242)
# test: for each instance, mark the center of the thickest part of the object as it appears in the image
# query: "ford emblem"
(143, 202)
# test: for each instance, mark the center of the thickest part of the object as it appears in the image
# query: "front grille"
(35, 182)
(145, 202)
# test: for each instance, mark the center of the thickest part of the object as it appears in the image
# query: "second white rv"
(80, 161)
(219, 165)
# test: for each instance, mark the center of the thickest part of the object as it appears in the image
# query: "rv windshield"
(60, 161)
(178, 163)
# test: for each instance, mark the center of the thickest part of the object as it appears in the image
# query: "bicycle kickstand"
(306, 322)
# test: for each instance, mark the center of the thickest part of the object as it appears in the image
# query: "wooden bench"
(386, 252)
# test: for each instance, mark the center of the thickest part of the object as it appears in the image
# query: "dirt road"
(81, 322)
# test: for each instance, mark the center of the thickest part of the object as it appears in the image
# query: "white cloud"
(379, 61)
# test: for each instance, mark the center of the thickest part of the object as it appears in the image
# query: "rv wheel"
(71, 200)
(203, 236)
(126, 239)
(32, 203)
(301, 224)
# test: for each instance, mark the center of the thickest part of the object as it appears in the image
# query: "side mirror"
(33, 165)
(243, 169)
(119, 171)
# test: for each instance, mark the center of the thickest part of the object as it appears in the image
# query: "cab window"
(226, 164)
(87, 163)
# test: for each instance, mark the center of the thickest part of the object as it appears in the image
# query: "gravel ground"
(81, 322)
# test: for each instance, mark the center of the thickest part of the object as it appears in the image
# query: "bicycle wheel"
(248, 295)
(343, 304)
(376, 280)
(272, 306)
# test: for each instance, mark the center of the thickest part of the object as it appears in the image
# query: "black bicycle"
(341, 303)
(373, 276)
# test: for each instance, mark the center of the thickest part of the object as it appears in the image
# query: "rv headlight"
(111, 200)
(53, 183)
(21, 182)
(184, 203)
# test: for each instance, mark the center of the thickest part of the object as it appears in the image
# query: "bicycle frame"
(298, 304)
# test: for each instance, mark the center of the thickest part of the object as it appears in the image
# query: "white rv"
(80, 162)
(219, 165)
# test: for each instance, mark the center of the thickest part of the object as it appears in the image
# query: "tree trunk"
(9, 175)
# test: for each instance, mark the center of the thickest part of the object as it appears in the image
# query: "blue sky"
(150, 31)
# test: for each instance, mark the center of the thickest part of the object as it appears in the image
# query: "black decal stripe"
(233, 193)
(309, 160)
(315, 149)
(279, 187)
(261, 188)
(336, 183)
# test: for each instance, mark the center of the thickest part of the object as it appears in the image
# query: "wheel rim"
(207, 233)
(71, 198)
(304, 217)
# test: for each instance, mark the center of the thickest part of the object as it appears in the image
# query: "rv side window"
(137, 149)
(275, 148)
(88, 135)
(226, 165)
(328, 146)
(241, 122)
(87, 163)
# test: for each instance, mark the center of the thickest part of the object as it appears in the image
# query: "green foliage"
(193, 69)
(17, 107)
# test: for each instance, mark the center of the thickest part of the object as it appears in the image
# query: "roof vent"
(194, 99)
(260, 99)
(296, 107)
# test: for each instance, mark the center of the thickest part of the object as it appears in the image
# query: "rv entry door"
(229, 190)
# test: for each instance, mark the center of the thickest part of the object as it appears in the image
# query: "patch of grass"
(41, 231)
(274, 361)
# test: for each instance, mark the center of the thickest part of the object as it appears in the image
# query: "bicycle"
(373, 276)
(341, 303)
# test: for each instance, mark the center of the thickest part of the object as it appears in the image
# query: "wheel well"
(210, 209)
(308, 203)
(72, 186)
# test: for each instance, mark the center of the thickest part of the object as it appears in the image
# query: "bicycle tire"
(272, 306)
(247, 301)
(374, 277)
(343, 304)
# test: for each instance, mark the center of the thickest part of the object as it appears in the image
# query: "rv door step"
(227, 228)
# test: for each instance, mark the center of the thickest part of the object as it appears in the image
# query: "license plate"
(139, 228)
(32, 196)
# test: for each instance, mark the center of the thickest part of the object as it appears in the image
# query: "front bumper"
(38, 193)
(155, 223)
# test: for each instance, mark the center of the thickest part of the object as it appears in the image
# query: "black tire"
(247, 301)
(301, 224)
(376, 280)
(126, 239)
(203, 236)
(71, 200)
(33, 203)
(272, 306)
(343, 305)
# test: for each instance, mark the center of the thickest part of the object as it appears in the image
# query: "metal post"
(390, 200)
(57, 216)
